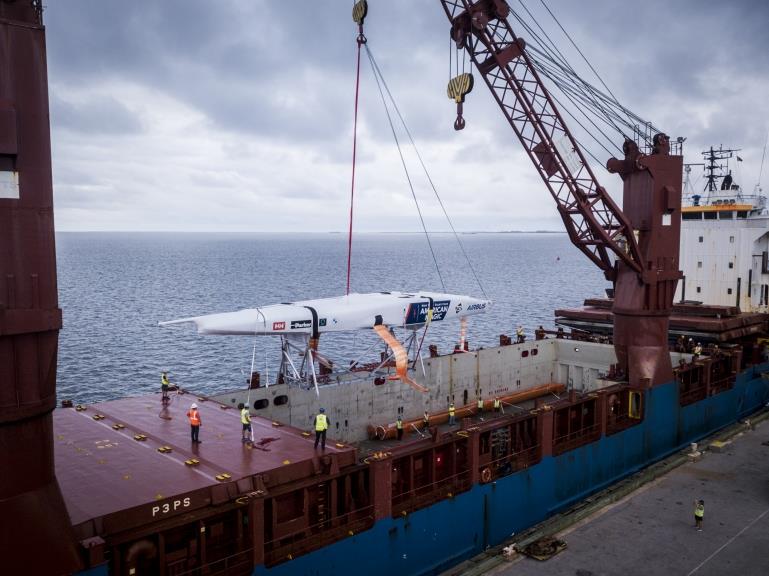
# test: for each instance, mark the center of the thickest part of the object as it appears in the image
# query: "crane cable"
(358, 14)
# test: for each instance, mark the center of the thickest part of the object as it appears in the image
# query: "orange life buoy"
(486, 475)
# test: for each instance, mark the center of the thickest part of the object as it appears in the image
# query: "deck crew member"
(164, 384)
(497, 405)
(426, 420)
(521, 337)
(194, 417)
(699, 513)
(451, 414)
(399, 428)
(697, 350)
(321, 425)
(480, 405)
(245, 420)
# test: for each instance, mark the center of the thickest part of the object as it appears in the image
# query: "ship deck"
(651, 531)
(104, 470)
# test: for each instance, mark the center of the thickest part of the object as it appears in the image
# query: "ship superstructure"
(725, 241)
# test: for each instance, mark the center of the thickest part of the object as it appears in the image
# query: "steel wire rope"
(561, 57)
(405, 168)
(609, 141)
(427, 173)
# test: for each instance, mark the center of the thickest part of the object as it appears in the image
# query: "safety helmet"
(193, 406)
(322, 410)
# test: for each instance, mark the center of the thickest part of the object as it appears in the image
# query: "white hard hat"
(193, 406)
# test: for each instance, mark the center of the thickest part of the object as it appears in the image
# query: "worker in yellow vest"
(321, 425)
(164, 384)
(399, 427)
(451, 414)
(480, 405)
(699, 514)
(245, 419)
(426, 420)
(497, 405)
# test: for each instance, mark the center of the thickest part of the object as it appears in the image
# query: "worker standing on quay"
(321, 425)
(194, 417)
(699, 514)
(451, 414)
(245, 420)
(164, 384)
(399, 428)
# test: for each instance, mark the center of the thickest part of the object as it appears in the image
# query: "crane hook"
(459, 87)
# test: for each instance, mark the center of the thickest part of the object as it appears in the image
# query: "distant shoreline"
(465, 233)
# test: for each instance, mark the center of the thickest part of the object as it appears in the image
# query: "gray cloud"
(197, 98)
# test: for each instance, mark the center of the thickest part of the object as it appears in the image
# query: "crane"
(637, 246)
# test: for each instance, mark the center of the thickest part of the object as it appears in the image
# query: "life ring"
(486, 475)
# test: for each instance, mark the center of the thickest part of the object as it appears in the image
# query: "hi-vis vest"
(194, 417)
(321, 423)
(480, 404)
(164, 380)
(496, 402)
(399, 424)
(245, 417)
(699, 511)
(451, 409)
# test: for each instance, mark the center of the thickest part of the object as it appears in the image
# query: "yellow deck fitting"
(223, 477)
(98, 416)
(118, 426)
(338, 445)
(80, 408)
(277, 424)
(192, 462)
(286, 462)
(140, 437)
(165, 449)
(306, 434)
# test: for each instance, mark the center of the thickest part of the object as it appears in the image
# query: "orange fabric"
(401, 358)
(194, 417)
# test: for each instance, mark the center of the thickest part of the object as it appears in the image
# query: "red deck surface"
(103, 471)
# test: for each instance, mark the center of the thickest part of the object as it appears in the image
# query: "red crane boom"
(644, 237)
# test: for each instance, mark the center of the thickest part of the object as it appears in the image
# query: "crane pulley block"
(359, 11)
(459, 87)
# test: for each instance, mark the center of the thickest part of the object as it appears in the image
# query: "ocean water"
(114, 288)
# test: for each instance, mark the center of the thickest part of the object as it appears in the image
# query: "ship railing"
(577, 438)
(238, 564)
(620, 422)
(514, 462)
(318, 535)
(429, 494)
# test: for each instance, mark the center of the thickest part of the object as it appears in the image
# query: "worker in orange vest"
(194, 417)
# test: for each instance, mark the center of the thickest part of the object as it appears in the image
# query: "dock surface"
(651, 532)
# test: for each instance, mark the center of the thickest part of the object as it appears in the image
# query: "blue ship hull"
(433, 539)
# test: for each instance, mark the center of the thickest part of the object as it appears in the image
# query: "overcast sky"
(237, 115)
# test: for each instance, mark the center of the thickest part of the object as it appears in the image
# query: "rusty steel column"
(35, 532)
(643, 302)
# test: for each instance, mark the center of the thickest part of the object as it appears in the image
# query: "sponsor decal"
(278, 325)
(481, 306)
(458, 308)
(322, 322)
(298, 324)
(417, 311)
